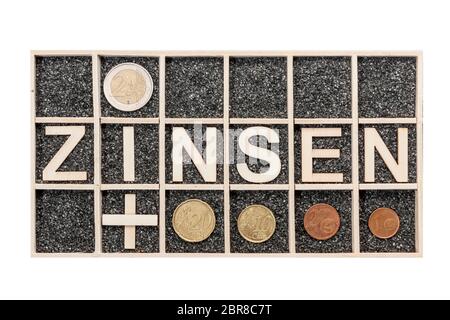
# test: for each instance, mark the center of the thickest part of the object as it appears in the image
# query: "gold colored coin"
(256, 223)
(384, 223)
(128, 86)
(194, 220)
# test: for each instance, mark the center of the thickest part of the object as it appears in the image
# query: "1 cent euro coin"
(384, 223)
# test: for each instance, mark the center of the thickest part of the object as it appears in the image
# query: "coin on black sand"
(384, 223)
(128, 87)
(194, 220)
(322, 221)
(256, 223)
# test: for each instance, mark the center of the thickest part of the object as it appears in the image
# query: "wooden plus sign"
(130, 220)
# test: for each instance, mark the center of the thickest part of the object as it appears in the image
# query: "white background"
(237, 25)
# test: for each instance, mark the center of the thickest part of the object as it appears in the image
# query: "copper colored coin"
(322, 221)
(384, 223)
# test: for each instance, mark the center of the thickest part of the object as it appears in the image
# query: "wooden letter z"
(75, 133)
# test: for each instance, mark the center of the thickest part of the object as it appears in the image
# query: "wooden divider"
(97, 120)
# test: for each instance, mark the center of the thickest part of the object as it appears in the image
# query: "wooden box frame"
(97, 120)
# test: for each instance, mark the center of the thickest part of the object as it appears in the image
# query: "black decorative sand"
(194, 87)
(277, 202)
(258, 87)
(146, 153)
(215, 243)
(322, 87)
(64, 87)
(327, 165)
(151, 109)
(342, 241)
(387, 87)
(147, 238)
(65, 221)
(190, 171)
(80, 159)
(257, 165)
(401, 201)
(388, 133)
